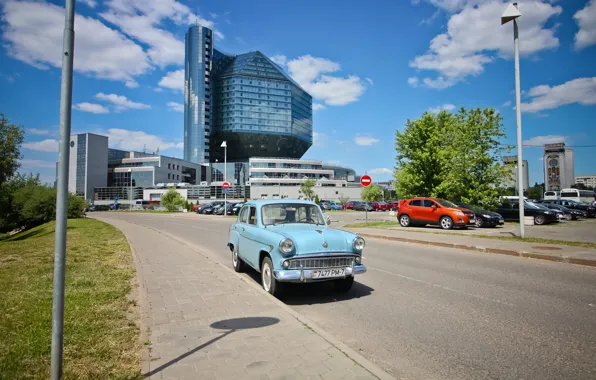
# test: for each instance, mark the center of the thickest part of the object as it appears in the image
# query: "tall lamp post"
(130, 197)
(512, 14)
(225, 146)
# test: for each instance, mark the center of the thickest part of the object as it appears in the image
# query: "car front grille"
(328, 262)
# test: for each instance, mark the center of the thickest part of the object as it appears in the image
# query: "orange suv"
(423, 211)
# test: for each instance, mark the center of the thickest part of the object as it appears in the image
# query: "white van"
(551, 195)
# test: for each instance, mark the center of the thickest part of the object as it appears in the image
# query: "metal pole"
(62, 193)
(131, 197)
(225, 179)
(520, 162)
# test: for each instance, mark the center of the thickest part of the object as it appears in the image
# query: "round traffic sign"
(365, 180)
(225, 185)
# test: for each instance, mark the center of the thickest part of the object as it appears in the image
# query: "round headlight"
(359, 244)
(358, 259)
(286, 246)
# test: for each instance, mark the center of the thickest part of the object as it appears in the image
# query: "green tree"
(343, 200)
(76, 206)
(307, 188)
(371, 193)
(580, 186)
(172, 200)
(245, 200)
(534, 192)
(317, 200)
(11, 138)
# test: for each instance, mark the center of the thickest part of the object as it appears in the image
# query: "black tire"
(479, 223)
(237, 263)
(269, 283)
(404, 221)
(344, 285)
(446, 223)
(539, 220)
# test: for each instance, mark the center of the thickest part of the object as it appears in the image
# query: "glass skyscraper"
(197, 93)
(246, 100)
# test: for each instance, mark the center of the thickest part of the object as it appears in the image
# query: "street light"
(225, 146)
(130, 195)
(512, 14)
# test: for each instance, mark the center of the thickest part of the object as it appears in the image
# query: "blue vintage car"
(289, 241)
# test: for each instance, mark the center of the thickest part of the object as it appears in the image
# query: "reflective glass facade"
(197, 93)
(81, 164)
(237, 173)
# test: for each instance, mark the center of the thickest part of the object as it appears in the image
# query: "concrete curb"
(475, 248)
(353, 355)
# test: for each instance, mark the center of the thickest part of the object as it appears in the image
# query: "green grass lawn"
(101, 335)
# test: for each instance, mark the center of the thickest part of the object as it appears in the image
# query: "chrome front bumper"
(305, 275)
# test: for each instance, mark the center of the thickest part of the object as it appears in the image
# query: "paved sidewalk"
(206, 322)
(559, 253)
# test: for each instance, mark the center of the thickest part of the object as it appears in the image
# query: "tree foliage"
(343, 200)
(454, 156)
(172, 200)
(371, 193)
(11, 138)
(307, 188)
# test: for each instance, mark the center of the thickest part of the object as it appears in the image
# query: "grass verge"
(101, 335)
(568, 243)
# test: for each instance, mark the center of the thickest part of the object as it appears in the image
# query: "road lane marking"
(591, 304)
(443, 287)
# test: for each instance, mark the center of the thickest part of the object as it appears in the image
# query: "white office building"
(559, 167)
(587, 180)
(510, 163)
(88, 163)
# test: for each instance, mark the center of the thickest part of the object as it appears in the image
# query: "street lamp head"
(224, 145)
(511, 13)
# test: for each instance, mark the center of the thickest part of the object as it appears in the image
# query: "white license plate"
(327, 273)
(501, 220)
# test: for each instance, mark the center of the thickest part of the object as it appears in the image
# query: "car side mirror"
(434, 207)
(328, 220)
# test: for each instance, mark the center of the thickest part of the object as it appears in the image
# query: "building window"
(169, 166)
(168, 175)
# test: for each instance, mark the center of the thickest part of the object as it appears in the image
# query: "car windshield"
(445, 203)
(533, 206)
(284, 213)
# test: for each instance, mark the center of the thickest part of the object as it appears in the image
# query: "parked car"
(350, 205)
(208, 208)
(325, 205)
(376, 206)
(484, 218)
(569, 212)
(362, 206)
(423, 211)
(393, 205)
(219, 210)
(510, 211)
(590, 210)
(335, 206)
(290, 241)
(236, 208)
(558, 213)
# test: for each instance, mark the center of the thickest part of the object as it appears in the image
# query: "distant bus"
(551, 195)
(581, 196)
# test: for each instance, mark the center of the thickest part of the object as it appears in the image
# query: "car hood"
(309, 238)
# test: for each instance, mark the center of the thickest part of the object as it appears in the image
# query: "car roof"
(262, 202)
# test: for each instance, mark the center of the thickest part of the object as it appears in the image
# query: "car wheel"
(539, 220)
(446, 223)
(270, 284)
(344, 285)
(404, 221)
(237, 261)
(479, 223)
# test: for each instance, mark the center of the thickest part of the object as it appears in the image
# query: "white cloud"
(33, 34)
(178, 107)
(34, 164)
(131, 84)
(548, 139)
(414, 82)
(507, 103)
(370, 81)
(444, 107)
(544, 97)
(474, 38)
(365, 140)
(138, 140)
(48, 145)
(173, 80)
(310, 72)
(319, 139)
(381, 171)
(35, 131)
(158, 89)
(144, 21)
(89, 3)
(121, 102)
(447, 5)
(318, 107)
(91, 107)
(279, 59)
(586, 20)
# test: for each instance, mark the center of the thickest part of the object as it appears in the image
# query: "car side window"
(428, 203)
(416, 202)
(242, 215)
(252, 219)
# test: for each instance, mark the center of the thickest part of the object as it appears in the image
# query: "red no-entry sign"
(365, 180)
(225, 185)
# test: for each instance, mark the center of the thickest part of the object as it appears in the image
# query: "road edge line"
(524, 254)
(369, 366)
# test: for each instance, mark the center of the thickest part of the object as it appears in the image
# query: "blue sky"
(369, 69)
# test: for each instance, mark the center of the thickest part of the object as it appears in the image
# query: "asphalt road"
(435, 313)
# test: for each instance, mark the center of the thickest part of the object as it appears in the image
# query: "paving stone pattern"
(206, 323)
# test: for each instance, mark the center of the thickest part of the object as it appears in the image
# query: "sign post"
(225, 186)
(365, 181)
